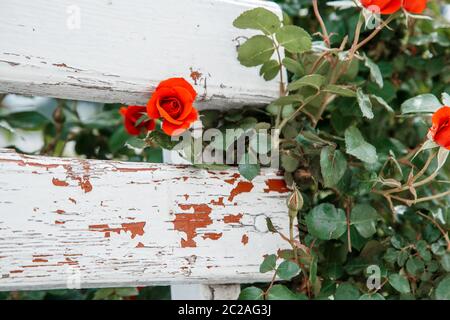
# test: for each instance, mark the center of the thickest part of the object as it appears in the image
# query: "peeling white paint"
(87, 217)
(122, 50)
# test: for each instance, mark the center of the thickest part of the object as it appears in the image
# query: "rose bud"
(295, 202)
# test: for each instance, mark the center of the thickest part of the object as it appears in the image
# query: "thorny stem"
(326, 37)
(271, 284)
(425, 167)
(441, 230)
(348, 210)
(282, 85)
(334, 77)
(291, 238)
(375, 32)
(299, 109)
(414, 184)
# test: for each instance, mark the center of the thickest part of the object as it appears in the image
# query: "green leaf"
(358, 147)
(270, 225)
(269, 70)
(255, 51)
(347, 291)
(258, 19)
(375, 73)
(135, 143)
(287, 270)
(364, 218)
(294, 39)
(374, 296)
(268, 264)
(105, 293)
(427, 103)
(422, 249)
(311, 80)
(445, 261)
(443, 289)
(326, 222)
(162, 139)
(445, 99)
(118, 139)
(28, 120)
(380, 101)
(339, 90)
(283, 101)
(127, 292)
(251, 293)
(442, 157)
(289, 162)
(333, 166)
(293, 66)
(364, 104)
(415, 266)
(280, 292)
(399, 283)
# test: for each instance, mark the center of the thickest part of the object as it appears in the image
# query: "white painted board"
(89, 223)
(119, 50)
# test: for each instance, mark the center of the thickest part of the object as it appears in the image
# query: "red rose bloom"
(440, 131)
(382, 6)
(173, 102)
(415, 6)
(131, 115)
(392, 6)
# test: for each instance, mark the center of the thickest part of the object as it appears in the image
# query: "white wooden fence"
(89, 223)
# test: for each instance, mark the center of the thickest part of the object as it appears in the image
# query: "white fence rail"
(91, 223)
(118, 51)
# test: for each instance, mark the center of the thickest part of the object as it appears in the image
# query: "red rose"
(382, 6)
(131, 115)
(392, 6)
(440, 131)
(173, 102)
(415, 6)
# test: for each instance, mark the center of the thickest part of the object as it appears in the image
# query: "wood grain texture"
(91, 223)
(123, 49)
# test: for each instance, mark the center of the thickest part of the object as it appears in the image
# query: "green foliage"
(354, 130)
(326, 222)
(333, 166)
(255, 51)
(258, 19)
(358, 147)
(294, 39)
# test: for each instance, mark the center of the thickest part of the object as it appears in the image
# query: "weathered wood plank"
(118, 51)
(90, 223)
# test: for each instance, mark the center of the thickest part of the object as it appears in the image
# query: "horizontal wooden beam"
(91, 223)
(118, 51)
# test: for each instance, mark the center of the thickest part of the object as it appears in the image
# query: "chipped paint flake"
(276, 185)
(242, 186)
(135, 228)
(233, 218)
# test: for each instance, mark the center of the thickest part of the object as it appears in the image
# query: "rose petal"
(415, 6)
(178, 82)
(175, 130)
